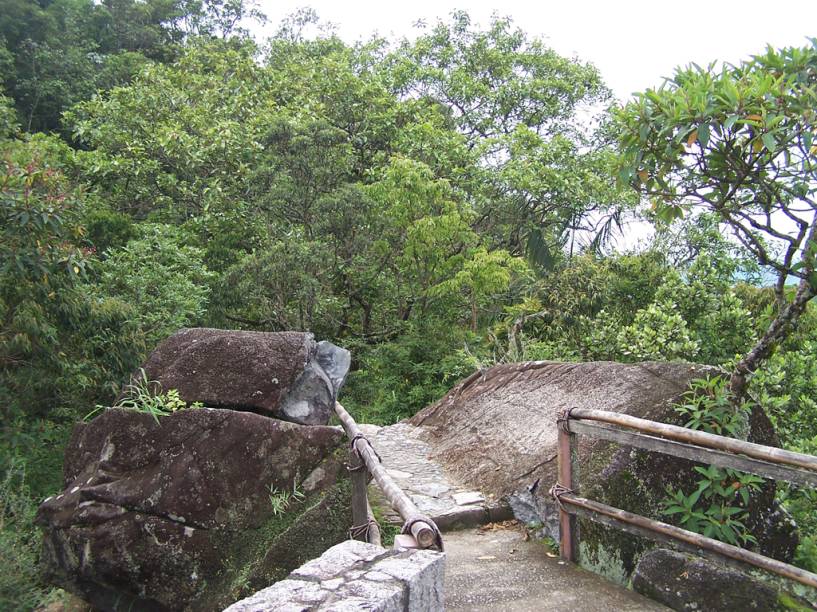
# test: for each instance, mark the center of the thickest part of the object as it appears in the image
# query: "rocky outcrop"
(686, 582)
(496, 432)
(192, 512)
(286, 375)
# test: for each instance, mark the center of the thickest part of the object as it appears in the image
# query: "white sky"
(634, 43)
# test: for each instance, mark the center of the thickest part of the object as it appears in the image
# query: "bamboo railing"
(418, 531)
(765, 461)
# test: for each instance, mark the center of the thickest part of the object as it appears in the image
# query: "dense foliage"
(434, 205)
(739, 143)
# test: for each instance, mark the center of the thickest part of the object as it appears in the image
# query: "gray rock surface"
(177, 514)
(357, 576)
(686, 582)
(497, 429)
(285, 375)
(335, 362)
(311, 401)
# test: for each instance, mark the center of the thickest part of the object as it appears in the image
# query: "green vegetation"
(143, 395)
(280, 500)
(718, 507)
(435, 205)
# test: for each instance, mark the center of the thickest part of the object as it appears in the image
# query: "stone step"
(407, 460)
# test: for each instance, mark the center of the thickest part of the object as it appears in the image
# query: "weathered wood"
(567, 522)
(360, 502)
(695, 453)
(424, 531)
(640, 525)
(699, 438)
(374, 528)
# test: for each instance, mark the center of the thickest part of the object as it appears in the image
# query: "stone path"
(498, 570)
(407, 461)
(490, 568)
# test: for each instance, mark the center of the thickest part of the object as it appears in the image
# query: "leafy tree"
(161, 276)
(59, 53)
(8, 120)
(53, 333)
(737, 142)
(538, 175)
(178, 142)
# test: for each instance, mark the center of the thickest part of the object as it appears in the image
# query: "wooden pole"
(374, 528)
(711, 456)
(360, 502)
(567, 522)
(701, 438)
(425, 532)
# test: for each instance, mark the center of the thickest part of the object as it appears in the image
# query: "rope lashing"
(421, 518)
(556, 492)
(563, 420)
(360, 436)
(356, 531)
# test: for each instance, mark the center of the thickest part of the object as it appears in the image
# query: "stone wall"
(357, 576)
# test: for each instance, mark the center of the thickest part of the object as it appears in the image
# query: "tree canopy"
(738, 142)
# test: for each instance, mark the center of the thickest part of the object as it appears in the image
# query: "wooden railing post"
(568, 529)
(360, 503)
(420, 527)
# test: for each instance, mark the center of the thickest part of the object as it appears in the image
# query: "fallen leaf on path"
(502, 525)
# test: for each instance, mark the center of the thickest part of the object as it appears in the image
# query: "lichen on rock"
(177, 515)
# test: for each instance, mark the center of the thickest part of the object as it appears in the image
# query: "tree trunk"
(786, 317)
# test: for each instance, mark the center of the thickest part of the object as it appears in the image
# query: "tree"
(539, 171)
(57, 53)
(179, 141)
(738, 142)
(53, 333)
(162, 276)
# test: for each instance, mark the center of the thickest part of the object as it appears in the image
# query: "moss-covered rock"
(178, 514)
(686, 582)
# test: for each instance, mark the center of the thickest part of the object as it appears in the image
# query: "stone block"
(356, 576)
(338, 560)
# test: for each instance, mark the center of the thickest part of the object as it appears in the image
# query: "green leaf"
(730, 121)
(769, 142)
(643, 132)
(703, 134)
(694, 497)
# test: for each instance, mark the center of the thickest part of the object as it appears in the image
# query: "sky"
(634, 43)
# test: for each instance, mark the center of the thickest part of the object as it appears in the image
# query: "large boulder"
(496, 432)
(687, 582)
(286, 375)
(192, 512)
